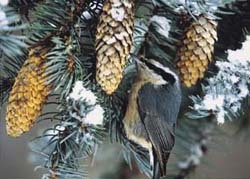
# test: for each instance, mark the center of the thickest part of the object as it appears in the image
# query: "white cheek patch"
(166, 69)
(154, 78)
(158, 80)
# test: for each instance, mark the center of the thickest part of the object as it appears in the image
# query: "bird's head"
(155, 72)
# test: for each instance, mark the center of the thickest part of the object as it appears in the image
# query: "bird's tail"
(160, 166)
(156, 170)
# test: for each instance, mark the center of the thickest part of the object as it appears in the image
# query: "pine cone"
(28, 95)
(196, 50)
(113, 42)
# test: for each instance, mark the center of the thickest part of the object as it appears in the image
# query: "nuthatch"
(152, 112)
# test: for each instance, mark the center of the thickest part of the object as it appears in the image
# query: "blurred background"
(227, 158)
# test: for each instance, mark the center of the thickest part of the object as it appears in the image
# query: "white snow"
(94, 5)
(212, 102)
(215, 103)
(139, 32)
(86, 15)
(4, 2)
(212, 5)
(88, 137)
(54, 131)
(184, 164)
(235, 78)
(230, 84)
(221, 116)
(79, 92)
(118, 13)
(95, 116)
(3, 19)
(243, 90)
(162, 24)
(242, 55)
(193, 159)
(196, 149)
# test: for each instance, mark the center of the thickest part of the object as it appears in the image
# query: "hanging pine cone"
(28, 95)
(196, 50)
(113, 42)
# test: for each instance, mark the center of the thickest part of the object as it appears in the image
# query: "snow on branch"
(162, 25)
(74, 138)
(225, 91)
(95, 111)
(4, 2)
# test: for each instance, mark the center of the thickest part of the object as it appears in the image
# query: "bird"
(152, 111)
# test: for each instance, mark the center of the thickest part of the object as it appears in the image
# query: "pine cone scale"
(27, 96)
(113, 41)
(196, 51)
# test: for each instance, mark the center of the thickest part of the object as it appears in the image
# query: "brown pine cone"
(113, 42)
(28, 94)
(195, 53)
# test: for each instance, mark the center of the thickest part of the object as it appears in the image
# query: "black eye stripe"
(166, 76)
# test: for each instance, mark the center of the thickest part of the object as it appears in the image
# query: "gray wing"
(158, 109)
